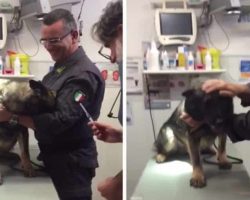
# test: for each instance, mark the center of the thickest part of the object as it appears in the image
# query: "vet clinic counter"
(170, 180)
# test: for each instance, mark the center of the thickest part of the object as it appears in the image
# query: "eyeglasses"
(104, 55)
(53, 41)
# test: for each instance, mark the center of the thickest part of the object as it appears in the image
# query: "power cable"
(110, 114)
(223, 30)
(37, 43)
(80, 21)
(150, 109)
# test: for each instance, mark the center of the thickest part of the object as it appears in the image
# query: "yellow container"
(24, 59)
(215, 54)
(203, 55)
(181, 60)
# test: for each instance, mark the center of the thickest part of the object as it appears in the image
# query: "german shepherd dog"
(23, 98)
(177, 137)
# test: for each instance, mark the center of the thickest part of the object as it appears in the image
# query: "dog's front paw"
(160, 158)
(198, 181)
(225, 165)
(29, 173)
(28, 170)
(223, 161)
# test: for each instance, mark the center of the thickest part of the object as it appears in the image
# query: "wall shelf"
(19, 77)
(149, 72)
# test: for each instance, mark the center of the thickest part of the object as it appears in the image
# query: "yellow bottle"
(24, 64)
(181, 60)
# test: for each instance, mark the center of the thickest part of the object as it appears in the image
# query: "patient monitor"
(3, 30)
(175, 26)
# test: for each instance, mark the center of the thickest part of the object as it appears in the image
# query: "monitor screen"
(1, 28)
(176, 23)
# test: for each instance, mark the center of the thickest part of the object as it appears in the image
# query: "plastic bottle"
(165, 60)
(198, 62)
(186, 52)
(17, 66)
(208, 61)
(181, 57)
(176, 60)
(7, 61)
(190, 61)
(154, 58)
(1, 65)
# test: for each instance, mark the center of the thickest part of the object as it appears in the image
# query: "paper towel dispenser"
(228, 6)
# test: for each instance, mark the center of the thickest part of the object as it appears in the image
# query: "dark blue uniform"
(240, 126)
(64, 138)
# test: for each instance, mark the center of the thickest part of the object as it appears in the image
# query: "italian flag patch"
(79, 96)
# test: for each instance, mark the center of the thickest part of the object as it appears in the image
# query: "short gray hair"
(61, 14)
(105, 30)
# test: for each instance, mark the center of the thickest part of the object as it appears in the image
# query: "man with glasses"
(66, 142)
(108, 31)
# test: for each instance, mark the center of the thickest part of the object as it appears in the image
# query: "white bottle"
(165, 60)
(198, 61)
(17, 66)
(7, 62)
(154, 64)
(1, 65)
(208, 61)
(190, 61)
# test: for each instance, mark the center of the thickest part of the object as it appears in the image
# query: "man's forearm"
(26, 121)
(243, 92)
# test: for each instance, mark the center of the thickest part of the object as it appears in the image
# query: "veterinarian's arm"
(240, 127)
(226, 88)
(229, 89)
(106, 132)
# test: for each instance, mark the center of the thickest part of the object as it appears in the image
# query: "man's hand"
(225, 89)
(111, 188)
(106, 132)
(4, 114)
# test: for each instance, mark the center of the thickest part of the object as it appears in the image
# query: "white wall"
(140, 27)
(109, 155)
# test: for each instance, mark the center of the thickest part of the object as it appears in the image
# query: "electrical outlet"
(159, 104)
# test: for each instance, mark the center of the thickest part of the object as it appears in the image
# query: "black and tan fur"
(177, 137)
(23, 98)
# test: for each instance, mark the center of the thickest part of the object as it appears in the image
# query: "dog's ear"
(37, 87)
(36, 84)
(194, 104)
(188, 93)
